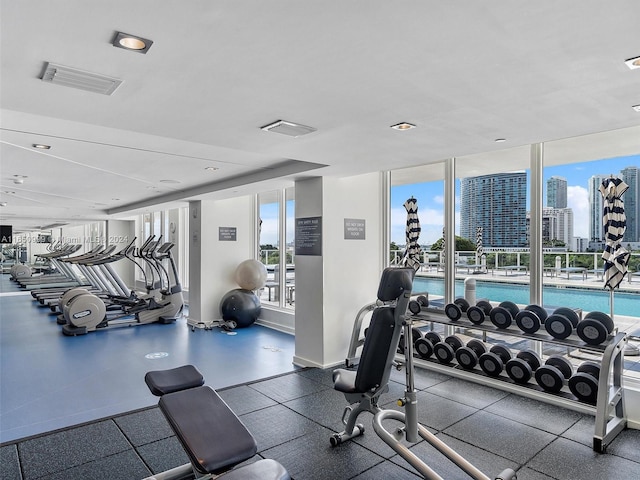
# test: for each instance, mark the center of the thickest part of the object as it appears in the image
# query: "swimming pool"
(625, 303)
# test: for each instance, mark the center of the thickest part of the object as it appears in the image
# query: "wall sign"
(354, 229)
(309, 236)
(227, 234)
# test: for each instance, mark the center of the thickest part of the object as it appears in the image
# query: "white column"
(333, 286)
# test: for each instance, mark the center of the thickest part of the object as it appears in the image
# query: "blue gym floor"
(91, 391)
(49, 381)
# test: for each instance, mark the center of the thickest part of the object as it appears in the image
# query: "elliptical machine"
(86, 312)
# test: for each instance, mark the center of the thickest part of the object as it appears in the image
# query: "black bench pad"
(161, 382)
(212, 435)
(344, 380)
(261, 470)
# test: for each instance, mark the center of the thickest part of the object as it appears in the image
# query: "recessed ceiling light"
(115, 199)
(403, 126)
(41, 146)
(169, 181)
(633, 63)
(211, 169)
(636, 108)
(500, 140)
(3, 204)
(132, 42)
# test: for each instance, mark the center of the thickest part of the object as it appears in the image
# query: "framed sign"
(354, 229)
(308, 236)
(227, 234)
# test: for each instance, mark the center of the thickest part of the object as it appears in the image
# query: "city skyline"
(431, 197)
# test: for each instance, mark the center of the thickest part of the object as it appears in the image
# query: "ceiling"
(465, 73)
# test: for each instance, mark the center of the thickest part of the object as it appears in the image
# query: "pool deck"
(577, 278)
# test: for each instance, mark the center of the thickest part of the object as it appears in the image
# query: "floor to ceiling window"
(529, 227)
(276, 240)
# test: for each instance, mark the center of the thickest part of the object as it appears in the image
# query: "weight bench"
(365, 385)
(371, 379)
(213, 437)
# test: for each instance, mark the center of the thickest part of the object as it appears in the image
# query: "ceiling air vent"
(74, 78)
(288, 128)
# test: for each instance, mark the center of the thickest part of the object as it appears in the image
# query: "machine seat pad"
(261, 470)
(212, 435)
(161, 382)
(344, 380)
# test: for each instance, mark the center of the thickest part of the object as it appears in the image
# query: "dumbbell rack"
(609, 410)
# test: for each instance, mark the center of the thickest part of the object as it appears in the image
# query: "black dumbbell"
(414, 307)
(595, 328)
(455, 310)
(521, 368)
(478, 312)
(418, 304)
(561, 322)
(531, 318)
(415, 335)
(424, 345)
(584, 384)
(502, 315)
(492, 362)
(445, 351)
(467, 356)
(553, 373)
(423, 300)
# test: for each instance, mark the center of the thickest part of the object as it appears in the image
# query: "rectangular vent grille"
(288, 128)
(74, 78)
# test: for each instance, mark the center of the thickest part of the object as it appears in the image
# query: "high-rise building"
(560, 224)
(631, 199)
(557, 192)
(596, 230)
(498, 204)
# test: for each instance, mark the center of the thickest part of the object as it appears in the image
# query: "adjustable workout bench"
(364, 386)
(213, 437)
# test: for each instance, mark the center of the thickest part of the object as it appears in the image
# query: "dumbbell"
(502, 315)
(467, 356)
(478, 312)
(445, 351)
(561, 322)
(531, 318)
(595, 328)
(455, 310)
(421, 302)
(521, 368)
(584, 384)
(553, 373)
(424, 345)
(415, 335)
(492, 362)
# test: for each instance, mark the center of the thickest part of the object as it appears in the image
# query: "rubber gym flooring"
(291, 412)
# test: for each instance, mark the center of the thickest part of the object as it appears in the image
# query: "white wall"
(212, 263)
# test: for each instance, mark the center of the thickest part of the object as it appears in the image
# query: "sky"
(430, 198)
(431, 206)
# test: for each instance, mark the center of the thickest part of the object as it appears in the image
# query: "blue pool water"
(625, 303)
